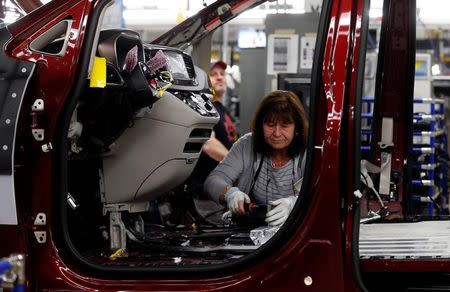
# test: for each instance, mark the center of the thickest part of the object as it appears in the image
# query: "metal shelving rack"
(366, 130)
(429, 146)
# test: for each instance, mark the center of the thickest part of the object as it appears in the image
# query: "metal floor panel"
(418, 240)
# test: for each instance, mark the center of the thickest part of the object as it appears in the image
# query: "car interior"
(133, 145)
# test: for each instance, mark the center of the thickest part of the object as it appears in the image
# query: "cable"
(369, 184)
(378, 196)
(362, 176)
(434, 202)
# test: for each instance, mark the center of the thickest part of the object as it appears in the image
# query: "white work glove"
(235, 200)
(280, 210)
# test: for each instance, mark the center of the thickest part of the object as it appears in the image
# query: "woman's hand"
(282, 207)
(235, 200)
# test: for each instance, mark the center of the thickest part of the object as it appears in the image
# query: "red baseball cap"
(221, 64)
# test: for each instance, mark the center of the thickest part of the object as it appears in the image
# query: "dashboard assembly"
(145, 129)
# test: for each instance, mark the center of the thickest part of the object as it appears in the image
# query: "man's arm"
(214, 148)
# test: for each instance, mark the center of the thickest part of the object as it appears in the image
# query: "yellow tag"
(98, 74)
(120, 253)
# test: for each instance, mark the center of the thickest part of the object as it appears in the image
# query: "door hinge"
(40, 220)
(41, 236)
(37, 110)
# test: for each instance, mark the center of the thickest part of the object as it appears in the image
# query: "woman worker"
(265, 166)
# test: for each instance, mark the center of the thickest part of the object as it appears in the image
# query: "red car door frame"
(311, 257)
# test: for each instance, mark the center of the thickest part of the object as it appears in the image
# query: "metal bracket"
(41, 236)
(358, 194)
(117, 231)
(38, 105)
(38, 134)
(47, 147)
(41, 219)
(72, 202)
(36, 113)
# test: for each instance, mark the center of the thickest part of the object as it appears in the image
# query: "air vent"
(189, 66)
(200, 133)
(193, 147)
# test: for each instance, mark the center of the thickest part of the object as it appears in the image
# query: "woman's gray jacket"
(239, 167)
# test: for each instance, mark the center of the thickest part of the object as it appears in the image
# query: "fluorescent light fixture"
(434, 12)
(251, 38)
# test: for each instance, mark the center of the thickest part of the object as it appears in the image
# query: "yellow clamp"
(162, 89)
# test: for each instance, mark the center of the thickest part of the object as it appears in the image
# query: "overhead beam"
(27, 5)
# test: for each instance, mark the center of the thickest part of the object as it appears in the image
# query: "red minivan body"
(317, 250)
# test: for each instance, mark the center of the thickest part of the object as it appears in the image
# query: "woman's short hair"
(284, 106)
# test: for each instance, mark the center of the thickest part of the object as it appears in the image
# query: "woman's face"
(278, 134)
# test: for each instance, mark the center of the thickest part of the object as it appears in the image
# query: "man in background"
(216, 148)
(225, 133)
